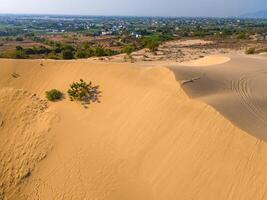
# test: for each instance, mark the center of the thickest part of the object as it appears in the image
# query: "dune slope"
(207, 61)
(236, 89)
(145, 140)
(24, 138)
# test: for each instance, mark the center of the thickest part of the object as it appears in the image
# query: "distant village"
(134, 26)
(71, 37)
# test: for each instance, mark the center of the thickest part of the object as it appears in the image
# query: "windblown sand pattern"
(145, 140)
(236, 88)
(24, 138)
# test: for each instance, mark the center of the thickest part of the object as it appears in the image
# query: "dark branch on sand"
(190, 80)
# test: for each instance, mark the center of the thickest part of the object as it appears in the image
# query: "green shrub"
(19, 48)
(81, 54)
(53, 56)
(241, 36)
(99, 52)
(53, 95)
(251, 50)
(19, 39)
(109, 52)
(81, 91)
(128, 49)
(67, 54)
(68, 47)
(151, 42)
(20, 54)
(29, 51)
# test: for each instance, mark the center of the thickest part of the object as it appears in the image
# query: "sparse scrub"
(67, 54)
(53, 56)
(84, 92)
(128, 49)
(19, 39)
(251, 50)
(53, 95)
(241, 36)
(81, 54)
(151, 43)
(20, 54)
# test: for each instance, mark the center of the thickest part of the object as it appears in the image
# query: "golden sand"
(207, 61)
(146, 140)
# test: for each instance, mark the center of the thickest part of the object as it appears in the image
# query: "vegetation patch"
(67, 54)
(84, 92)
(53, 95)
(251, 50)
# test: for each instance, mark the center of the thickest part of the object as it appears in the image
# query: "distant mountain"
(260, 14)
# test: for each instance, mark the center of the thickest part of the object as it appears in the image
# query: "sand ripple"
(23, 139)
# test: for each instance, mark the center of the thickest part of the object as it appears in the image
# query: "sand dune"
(145, 140)
(236, 89)
(264, 54)
(207, 61)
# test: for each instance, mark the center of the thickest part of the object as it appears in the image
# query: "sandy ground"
(235, 88)
(146, 140)
(24, 124)
(179, 51)
(207, 61)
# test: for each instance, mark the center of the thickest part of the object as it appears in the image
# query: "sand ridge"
(235, 89)
(207, 61)
(145, 140)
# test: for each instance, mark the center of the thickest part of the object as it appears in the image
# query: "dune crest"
(207, 61)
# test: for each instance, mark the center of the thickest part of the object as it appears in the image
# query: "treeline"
(60, 50)
(151, 42)
(65, 52)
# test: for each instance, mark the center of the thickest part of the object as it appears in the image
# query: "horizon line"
(117, 15)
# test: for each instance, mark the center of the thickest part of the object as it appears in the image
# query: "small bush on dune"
(53, 95)
(81, 91)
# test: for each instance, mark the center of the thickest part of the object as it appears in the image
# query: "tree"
(20, 54)
(81, 54)
(67, 54)
(19, 48)
(99, 52)
(29, 51)
(152, 42)
(19, 39)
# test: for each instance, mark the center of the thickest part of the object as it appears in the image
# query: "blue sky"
(218, 8)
